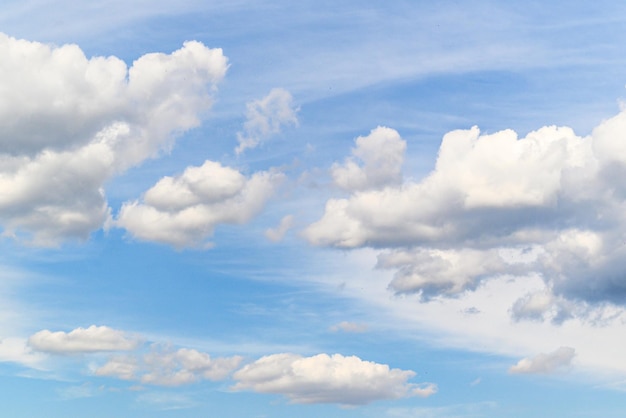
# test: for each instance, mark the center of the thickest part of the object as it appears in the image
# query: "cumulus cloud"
(68, 123)
(265, 117)
(82, 340)
(184, 210)
(278, 233)
(163, 367)
(328, 379)
(489, 196)
(545, 363)
(381, 154)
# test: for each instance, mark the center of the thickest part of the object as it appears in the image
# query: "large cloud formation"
(490, 201)
(328, 379)
(69, 123)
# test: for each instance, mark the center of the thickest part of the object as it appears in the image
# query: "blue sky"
(278, 209)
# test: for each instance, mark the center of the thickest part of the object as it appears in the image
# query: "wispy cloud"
(265, 117)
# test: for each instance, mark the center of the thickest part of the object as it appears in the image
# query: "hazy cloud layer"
(68, 123)
(350, 327)
(492, 200)
(82, 340)
(545, 363)
(328, 379)
(183, 211)
(163, 367)
(265, 117)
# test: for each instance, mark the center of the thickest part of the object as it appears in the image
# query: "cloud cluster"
(545, 362)
(490, 201)
(265, 117)
(68, 123)
(163, 367)
(328, 379)
(323, 378)
(82, 340)
(183, 211)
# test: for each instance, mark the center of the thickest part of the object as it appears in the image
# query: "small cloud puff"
(265, 117)
(545, 363)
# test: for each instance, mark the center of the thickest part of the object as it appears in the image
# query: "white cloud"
(433, 272)
(184, 210)
(382, 156)
(82, 340)
(265, 117)
(278, 233)
(489, 195)
(69, 123)
(16, 350)
(328, 379)
(163, 367)
(351, 327)
(545, 363)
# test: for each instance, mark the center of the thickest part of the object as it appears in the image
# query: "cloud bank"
(550, 203)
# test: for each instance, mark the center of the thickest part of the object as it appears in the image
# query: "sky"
(341, 209)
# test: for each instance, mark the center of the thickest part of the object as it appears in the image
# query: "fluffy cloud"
(545, 363)
(169, 368)
(382, 156)
(328, 379)
(183, 211)
(552, 193)
(82, 340)
(265, 117)
(68, 123)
